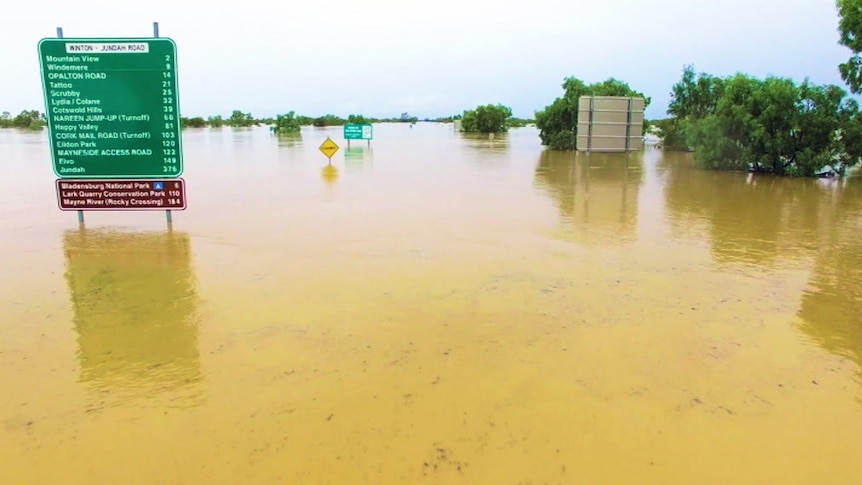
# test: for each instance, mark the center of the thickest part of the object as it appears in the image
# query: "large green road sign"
(112, 107)
(357, 132)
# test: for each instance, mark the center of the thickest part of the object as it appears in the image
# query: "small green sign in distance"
(112, 107)
(357, 132)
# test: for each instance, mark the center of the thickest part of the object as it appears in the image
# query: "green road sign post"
(112, 107)
(357, 132)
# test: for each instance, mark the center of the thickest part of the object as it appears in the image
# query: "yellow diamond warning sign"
(328, 147)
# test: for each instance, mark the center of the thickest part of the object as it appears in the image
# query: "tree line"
(289, 120)
(500, 119)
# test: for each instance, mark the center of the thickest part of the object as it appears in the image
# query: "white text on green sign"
(112, 107)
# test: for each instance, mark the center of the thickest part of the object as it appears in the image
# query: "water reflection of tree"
(486, 150)
(134, 301)
(486, 142)
(289, 140)
(831, 309)
(763, 219)
(749, 219)
(593, 191)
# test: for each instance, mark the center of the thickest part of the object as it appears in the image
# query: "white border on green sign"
(42, 75)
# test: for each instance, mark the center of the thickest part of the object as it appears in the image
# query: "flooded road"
(436, 308)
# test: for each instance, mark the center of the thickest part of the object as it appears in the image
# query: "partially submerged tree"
(25, 120)
(692, 98)
(486, 119)
(286, 123)
(407, 118)
(238, 118)
(771, 125)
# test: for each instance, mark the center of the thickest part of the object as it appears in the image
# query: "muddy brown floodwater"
(433, 309)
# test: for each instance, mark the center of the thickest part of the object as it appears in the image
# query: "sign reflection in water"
(134, 302)
(358, 158)
(329, 174)
(596, 193)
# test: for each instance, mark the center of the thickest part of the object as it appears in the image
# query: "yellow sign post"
(328, 148)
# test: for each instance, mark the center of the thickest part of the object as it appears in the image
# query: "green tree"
(486, 119)
(328, 120)
(29, 120)
(358, 120)
(215, 121)
(558, 122)
(196, 122)
(407, 118)
(238, 118)
(5, 119)
(671, 131)
(850, 31)
(695, 95)
(286, 123)
(692, 98)
(771, 125)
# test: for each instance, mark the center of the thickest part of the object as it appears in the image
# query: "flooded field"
(433, 309)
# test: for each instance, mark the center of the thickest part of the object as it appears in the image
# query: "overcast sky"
(431, 58)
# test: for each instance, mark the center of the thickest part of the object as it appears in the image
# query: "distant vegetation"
(289, 121)
(358, 120)
(196, 122)
(328, 120)
(558, 123)
(26, 120)
(520, 122)
(240, 119)
(36, 120)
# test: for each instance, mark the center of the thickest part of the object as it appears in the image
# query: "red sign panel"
(121, 194)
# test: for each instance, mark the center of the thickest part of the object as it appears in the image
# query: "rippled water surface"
(434, 308)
